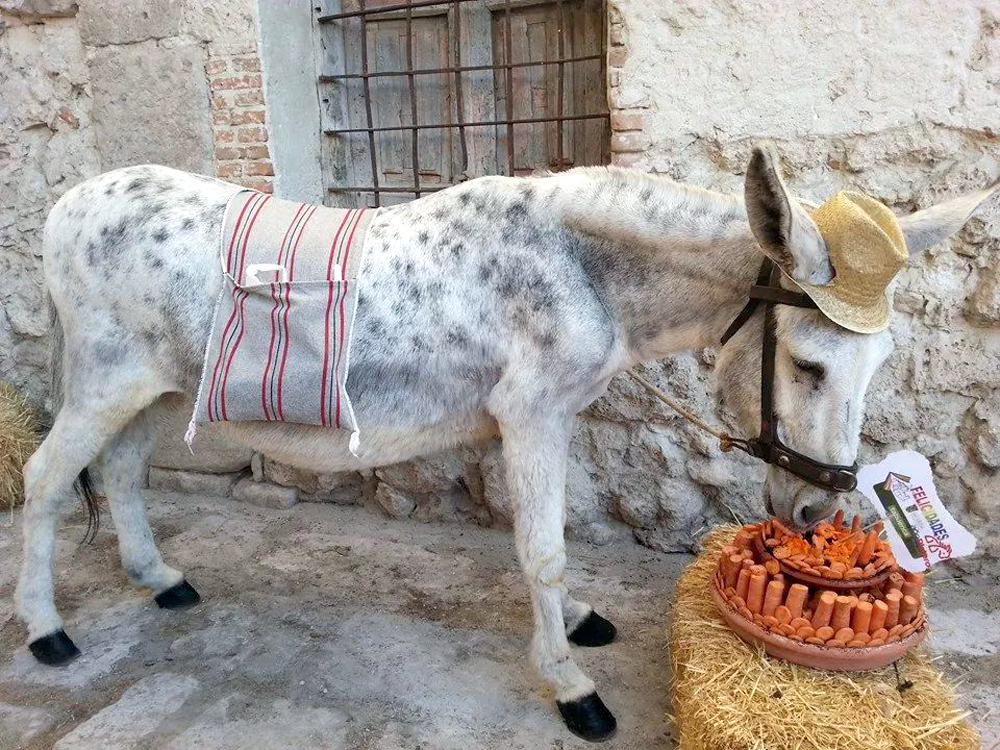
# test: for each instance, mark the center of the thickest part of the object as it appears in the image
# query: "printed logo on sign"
(920, 529)
(895, 493)
(890, 492)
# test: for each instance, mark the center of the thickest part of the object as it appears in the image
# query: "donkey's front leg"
(535, 455)
(584, 627)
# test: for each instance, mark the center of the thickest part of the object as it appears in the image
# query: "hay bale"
(729, 695)
(19, 438)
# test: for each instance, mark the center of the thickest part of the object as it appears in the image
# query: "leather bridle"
(767, 446)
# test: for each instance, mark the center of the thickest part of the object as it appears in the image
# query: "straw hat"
(867, 250)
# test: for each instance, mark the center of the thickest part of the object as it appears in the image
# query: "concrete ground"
(332, 627)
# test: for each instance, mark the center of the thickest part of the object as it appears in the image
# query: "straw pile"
(728, 695)
(19, 437)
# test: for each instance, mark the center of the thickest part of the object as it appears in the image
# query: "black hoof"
(588, 718)
(593, 631)
(177, 597)
(55, 649)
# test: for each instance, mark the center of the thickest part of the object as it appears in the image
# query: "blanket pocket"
(280, 352)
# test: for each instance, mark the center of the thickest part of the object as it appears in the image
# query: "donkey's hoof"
(178, 597)
(593, 631)
(588, 718)
(54, 649)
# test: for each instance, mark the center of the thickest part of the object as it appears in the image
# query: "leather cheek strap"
(768, 446)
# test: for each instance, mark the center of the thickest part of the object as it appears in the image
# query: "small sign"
(920, 529)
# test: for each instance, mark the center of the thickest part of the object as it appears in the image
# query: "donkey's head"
(822, 371)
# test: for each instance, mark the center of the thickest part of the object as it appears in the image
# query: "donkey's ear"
(780, 225)
(925, 229)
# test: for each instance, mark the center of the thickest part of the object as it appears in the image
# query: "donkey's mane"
(628, 205)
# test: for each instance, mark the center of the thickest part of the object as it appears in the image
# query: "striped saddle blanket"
(280, 344)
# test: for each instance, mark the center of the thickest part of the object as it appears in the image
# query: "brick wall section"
(238, 121)
(628, 106)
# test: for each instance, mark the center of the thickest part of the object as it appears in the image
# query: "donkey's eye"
(813, 368)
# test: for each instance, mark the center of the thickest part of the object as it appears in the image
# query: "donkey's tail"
(83, 485)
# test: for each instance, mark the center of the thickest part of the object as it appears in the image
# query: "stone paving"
(332, 627)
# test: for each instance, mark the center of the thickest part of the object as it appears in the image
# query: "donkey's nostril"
(811, 513)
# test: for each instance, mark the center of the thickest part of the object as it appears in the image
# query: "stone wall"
(47, 145)
(85, 87)
(901, 103)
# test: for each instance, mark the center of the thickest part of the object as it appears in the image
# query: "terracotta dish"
(820, 617)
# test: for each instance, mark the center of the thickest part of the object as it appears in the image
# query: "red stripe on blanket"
(336, 318)
(288, 310)
(267, 413)
(326, 324)
(270, 347)
(340, 342)
(270, 387)
(212, 414)
(235, 319)
(239, 223)
(242, 306)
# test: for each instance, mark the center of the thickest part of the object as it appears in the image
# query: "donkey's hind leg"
(72, 444)
(123, 469)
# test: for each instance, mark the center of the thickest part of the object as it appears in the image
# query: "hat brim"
(860, 318)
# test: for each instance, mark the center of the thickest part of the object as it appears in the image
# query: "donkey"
(501, 306)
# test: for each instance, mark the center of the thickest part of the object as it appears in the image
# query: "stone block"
(341, 488)
(396, 503)
(984, 305)
(629, 142)
(104, 22)
(151, 105)
(453, 506)
(257, 466)
(963, 361)
(230, 23)
(265, 494)
(213, 453)
(438, 473)
(983, 435)
(40, 8)
(627, 121)
(192, 482)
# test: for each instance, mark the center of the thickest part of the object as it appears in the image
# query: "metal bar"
(508, 56)
(481, 123)
(454, 69)
(603, 71)
(386, 9)
(383, 189)
(368, 101)
(459, 98)
(559, 90)
(413, 98)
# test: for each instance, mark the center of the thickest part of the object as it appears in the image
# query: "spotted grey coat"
(500, 306)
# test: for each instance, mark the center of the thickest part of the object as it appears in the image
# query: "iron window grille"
(365, 12)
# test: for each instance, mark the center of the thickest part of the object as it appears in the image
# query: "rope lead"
(726, 441)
